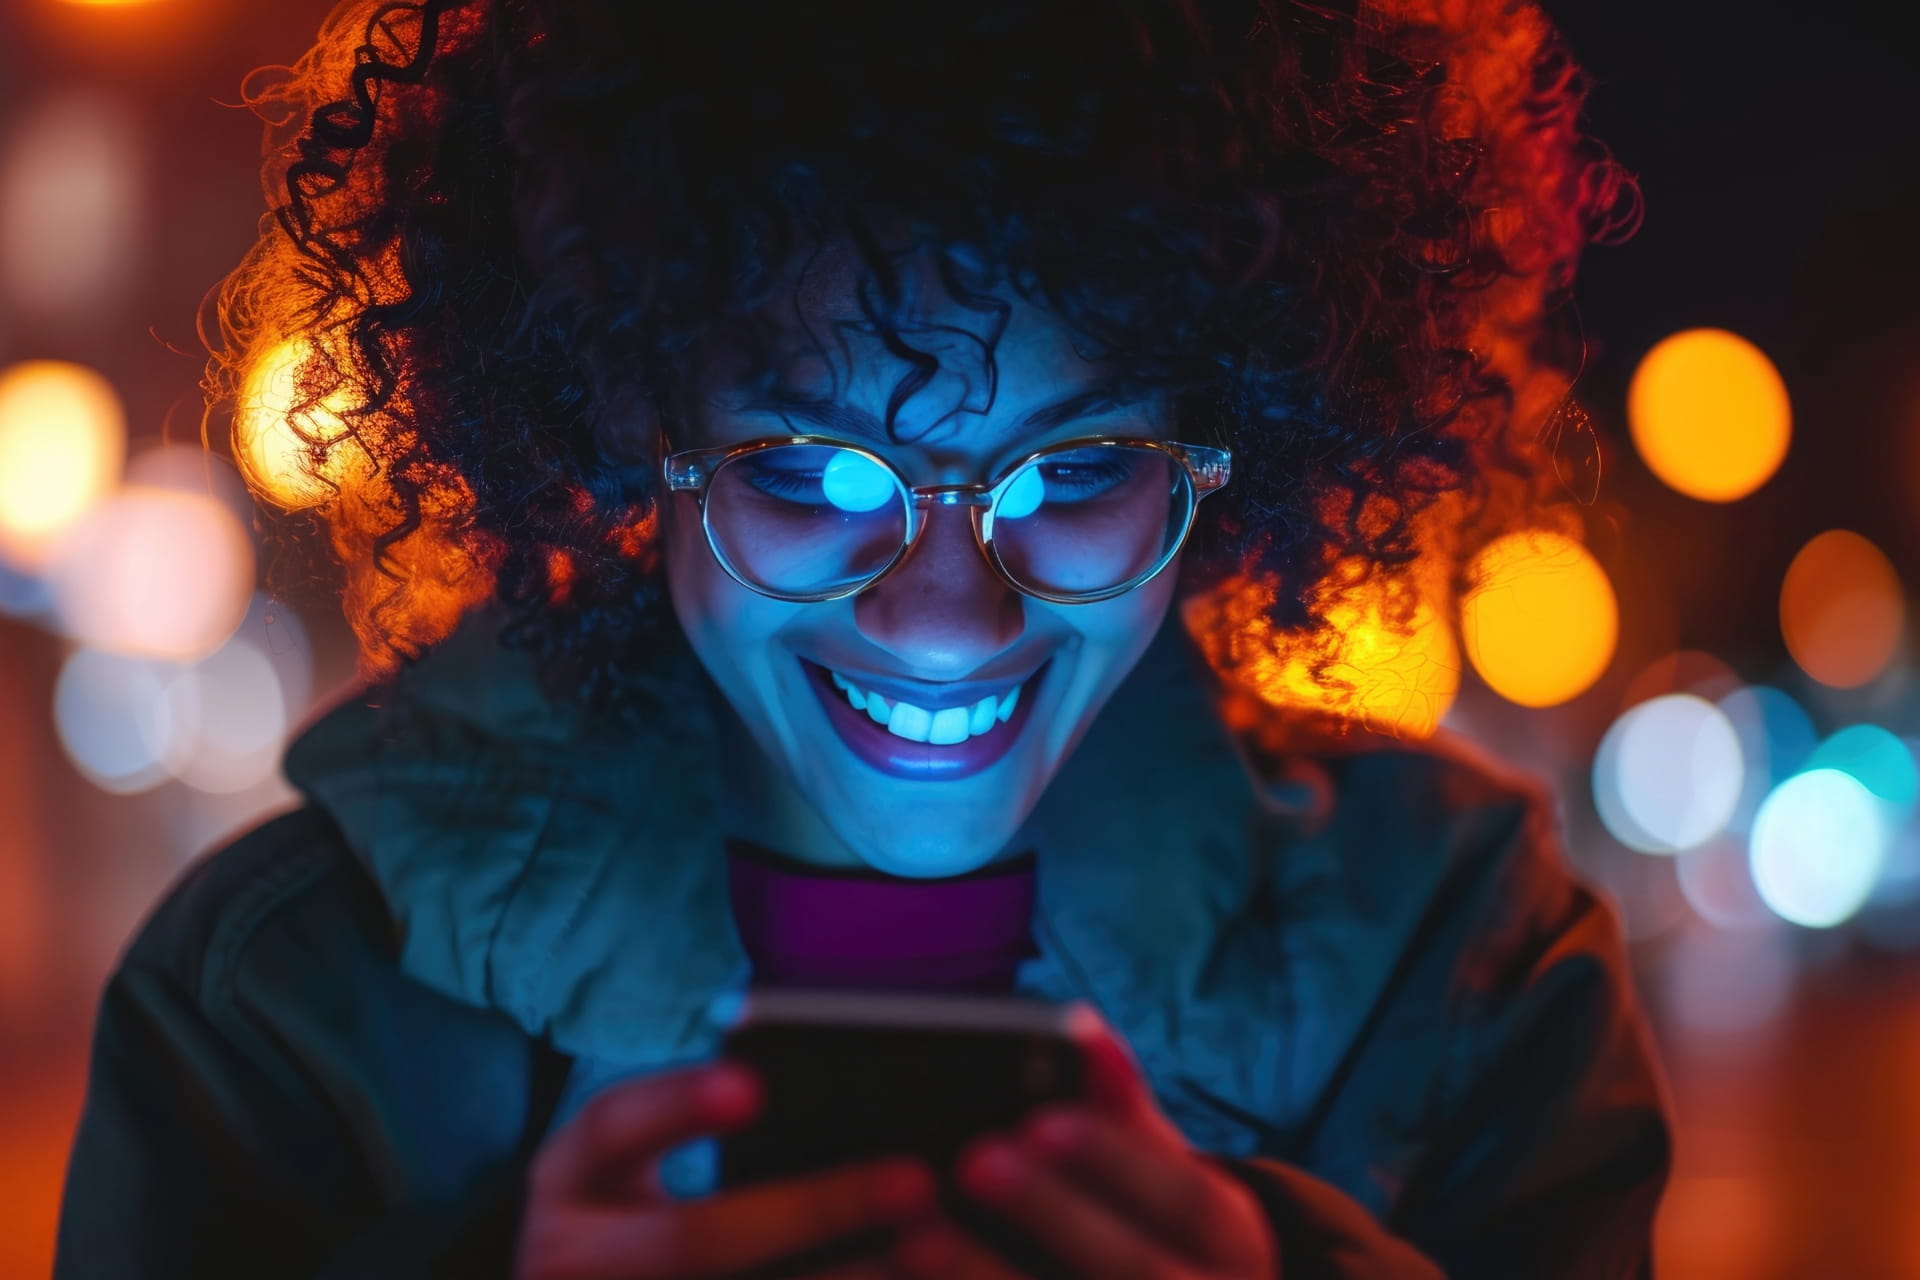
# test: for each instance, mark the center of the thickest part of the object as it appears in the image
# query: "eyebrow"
(831, 415)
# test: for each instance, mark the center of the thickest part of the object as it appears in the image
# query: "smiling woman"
(764, 445)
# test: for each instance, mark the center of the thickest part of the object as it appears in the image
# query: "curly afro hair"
(506, 232)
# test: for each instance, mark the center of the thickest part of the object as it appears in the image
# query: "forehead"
(923, 363)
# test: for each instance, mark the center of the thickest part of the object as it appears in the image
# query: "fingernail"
(728, 1089)
(1056, 1132)
(902, 1190)
(997, 1168)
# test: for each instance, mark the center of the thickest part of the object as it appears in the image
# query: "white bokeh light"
(1776, 737)
(125, 722)
(154, 572)
(243, 718)
(1817, 846)
(1668, 774)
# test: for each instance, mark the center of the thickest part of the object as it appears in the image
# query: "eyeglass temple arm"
(1210, 467)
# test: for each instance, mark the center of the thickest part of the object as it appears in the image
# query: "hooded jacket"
(1364, 981)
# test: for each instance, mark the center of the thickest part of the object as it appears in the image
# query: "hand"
(1108, 1186)
(596, 1209)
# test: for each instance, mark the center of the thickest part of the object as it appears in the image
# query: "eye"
(1074, 476)
(817, 475)
(1066, 478)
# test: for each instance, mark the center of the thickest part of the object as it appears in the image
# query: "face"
(942, 631)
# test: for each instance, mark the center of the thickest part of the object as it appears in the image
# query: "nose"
(943, 611)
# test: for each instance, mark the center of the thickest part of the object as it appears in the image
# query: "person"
(823, 491)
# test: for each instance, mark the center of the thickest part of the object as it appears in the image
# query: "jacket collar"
(569, 870)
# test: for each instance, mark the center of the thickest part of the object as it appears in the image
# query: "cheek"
(1114, 633)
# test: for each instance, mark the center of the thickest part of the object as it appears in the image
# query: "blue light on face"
(1024, 496)
(855, 482)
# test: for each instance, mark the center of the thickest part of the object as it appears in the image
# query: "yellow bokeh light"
(1709, 414)
(1367, 666)
(63, 440)
(1842, 610)
(294, 460)
(1540, 619)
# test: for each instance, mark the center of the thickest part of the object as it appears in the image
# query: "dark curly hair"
(506, 234)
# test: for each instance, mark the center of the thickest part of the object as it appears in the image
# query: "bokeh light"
(154, 572)
(1875, 758)
(1683, 671)
(1842, 611)
(1717, 881)
(63, 438)
(1817, 846)
(242, 720)
(190, 468)
(1776, 741)
(294, 459)
(1540, 620)
(250, 690)
(71, 206)
(126, 723)
(1668, 774)
(1709, 414)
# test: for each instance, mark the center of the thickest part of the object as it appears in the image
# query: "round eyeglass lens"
(1085, 521)
(806, 519)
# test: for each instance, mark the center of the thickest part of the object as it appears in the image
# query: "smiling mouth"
(906, 740)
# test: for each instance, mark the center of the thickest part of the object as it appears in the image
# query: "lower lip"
(919, 761)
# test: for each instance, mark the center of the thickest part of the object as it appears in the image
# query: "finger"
(937, 1248)
(1077, 1228)
(1114, 1081)
(599, 1155)
(1171, 1196)
(739, 1230)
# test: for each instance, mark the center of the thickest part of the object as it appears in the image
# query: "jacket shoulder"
(288, 874)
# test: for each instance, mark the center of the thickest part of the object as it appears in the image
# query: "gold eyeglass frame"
(692, 470)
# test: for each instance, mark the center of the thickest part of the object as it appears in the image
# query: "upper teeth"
(917, 724)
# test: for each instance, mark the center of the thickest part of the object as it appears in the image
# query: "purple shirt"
(807, 926)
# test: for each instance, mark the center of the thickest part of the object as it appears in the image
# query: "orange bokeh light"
(1842, 611)
(63, 441)
(1709, 414)
(1539, 620)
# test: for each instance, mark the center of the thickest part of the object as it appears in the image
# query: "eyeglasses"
(806, 518)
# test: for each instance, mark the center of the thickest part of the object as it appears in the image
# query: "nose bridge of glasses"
(953, 495)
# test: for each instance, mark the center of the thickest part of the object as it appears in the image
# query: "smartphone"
(850, 1075)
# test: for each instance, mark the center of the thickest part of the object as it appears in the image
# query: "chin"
(927, 857)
